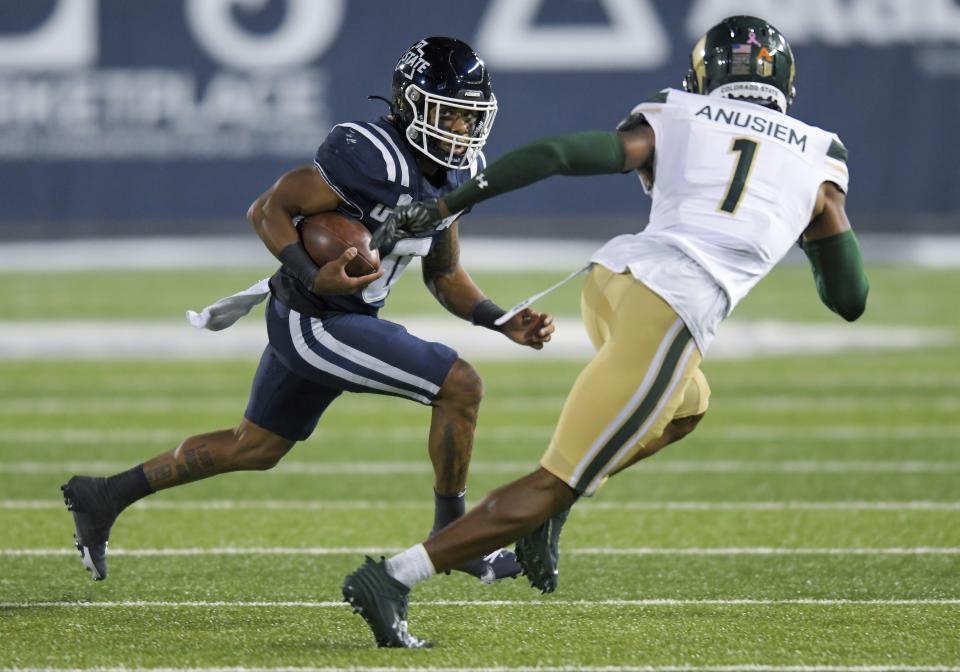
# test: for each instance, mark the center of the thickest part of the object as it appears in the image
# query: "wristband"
(298, 263)
(486, 313)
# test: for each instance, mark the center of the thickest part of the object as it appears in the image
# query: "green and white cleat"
(382, 602)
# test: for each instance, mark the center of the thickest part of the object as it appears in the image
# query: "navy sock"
(128, 486)
(447, 508)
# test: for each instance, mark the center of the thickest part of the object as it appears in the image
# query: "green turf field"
(811, 522)
(898, 295)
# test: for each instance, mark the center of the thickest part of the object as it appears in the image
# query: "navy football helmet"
(443, 100)
(744, 58)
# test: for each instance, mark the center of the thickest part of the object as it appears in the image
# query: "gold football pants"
(644, 375)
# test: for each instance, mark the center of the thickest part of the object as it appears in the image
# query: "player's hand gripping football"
(332, 277)
(529, 327)
(405, 221)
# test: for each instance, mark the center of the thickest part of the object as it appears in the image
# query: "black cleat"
(93, 516)
(501, 564)
(538, 553)
(382, 602)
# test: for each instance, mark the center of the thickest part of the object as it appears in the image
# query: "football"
(327, 234)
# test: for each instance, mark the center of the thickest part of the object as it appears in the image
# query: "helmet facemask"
(429, 129)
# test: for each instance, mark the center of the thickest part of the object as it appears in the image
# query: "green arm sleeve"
(838, 272)
(586, 153)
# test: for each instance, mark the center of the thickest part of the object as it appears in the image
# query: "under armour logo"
(482, 181)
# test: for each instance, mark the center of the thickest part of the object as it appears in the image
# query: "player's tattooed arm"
(457, 292)
(446, 279)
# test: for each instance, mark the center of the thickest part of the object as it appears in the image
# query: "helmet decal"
(741, 58)
(413, 62)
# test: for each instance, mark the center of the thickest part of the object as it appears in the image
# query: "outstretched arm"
(456, 291)
(586, 153)
(446, 279)
(834, 255)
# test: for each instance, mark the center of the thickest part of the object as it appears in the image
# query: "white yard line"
(136, 436)
(900, 381)
(215, 252)
(478, 253)
(56, 405)
(372, 550)
(362, 504)
(749, 667)
(500, 432)
(760, 432)
(918, 550)
(120, 340)
(836, 403)
(494, 603)
(299, 468)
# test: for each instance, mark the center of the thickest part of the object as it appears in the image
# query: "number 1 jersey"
(734, 185)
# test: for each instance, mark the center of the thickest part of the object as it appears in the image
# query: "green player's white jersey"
(734, 186)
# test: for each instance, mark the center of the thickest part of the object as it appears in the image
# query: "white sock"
(411, 566)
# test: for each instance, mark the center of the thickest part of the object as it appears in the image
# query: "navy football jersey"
(373, 170)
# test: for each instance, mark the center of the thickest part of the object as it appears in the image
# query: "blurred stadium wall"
(167, 117)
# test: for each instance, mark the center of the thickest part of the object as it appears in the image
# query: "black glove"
(405, 221)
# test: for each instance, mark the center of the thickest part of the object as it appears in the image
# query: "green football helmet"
(744, 58)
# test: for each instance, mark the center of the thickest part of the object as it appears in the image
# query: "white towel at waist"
(229, 309)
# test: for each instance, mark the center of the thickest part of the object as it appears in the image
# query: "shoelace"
(490, 557)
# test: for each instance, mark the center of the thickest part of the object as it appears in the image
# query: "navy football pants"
(310, 361)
